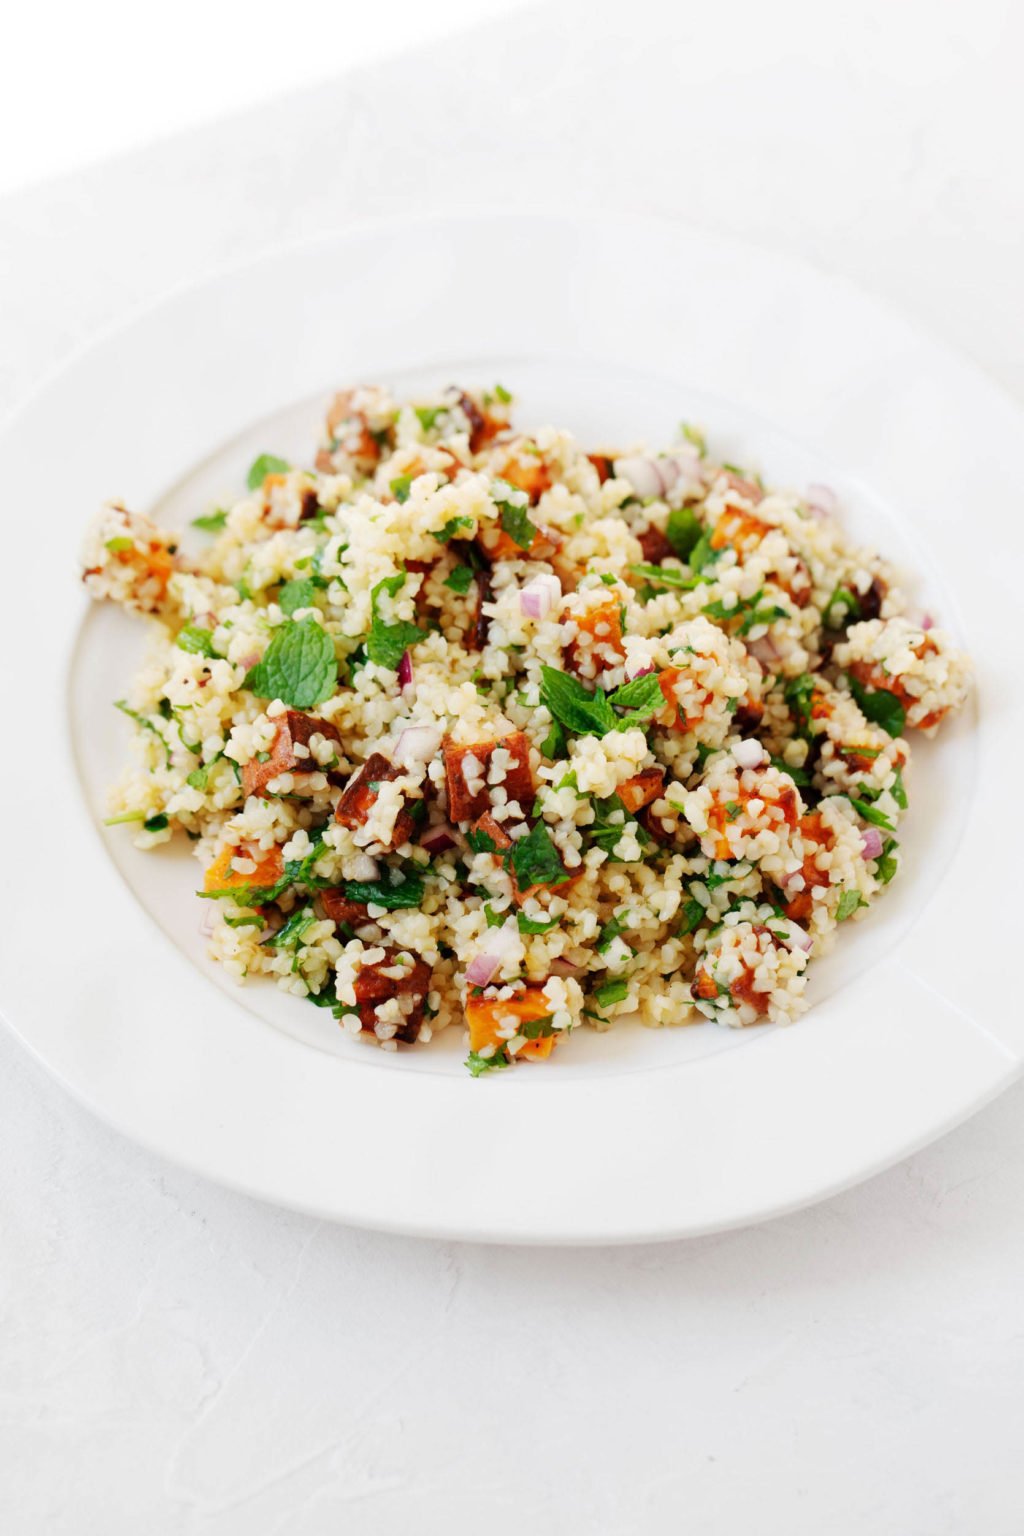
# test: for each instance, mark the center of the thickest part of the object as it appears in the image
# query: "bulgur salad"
(477, 728)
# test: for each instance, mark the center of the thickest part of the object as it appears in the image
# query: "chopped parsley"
(299, 666)
(887, 864)
(871, 813)
(266, 464)
(382, 894)
(513, 508)
(478, 1064)
(290, 936)
(693, 915)
(460, 580)
(611, 992)
(427, 415)
(401, 487)
(118, 546)
(494, 919)
(842, 608)
(800, 776)
(452, 528)
(702, 554)
(531, 925)
(750, 610)
(612, 930)
(898, 790)
(667, 576)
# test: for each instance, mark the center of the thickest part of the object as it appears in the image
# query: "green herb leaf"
(871, 813)
(612, 930)
(537, 1029)
(499, 392)
(453, 527)
(266, 464)
(460, 580)
(296, 594)
(119, 545)
(879, 706)
(611, 992)
(197, 641)
(668, 576)
(849, 901)
(529, 925)
(887, 864)
(683, 531)
(211, 522)
(494, 919)
(534, 859)
(898, 790)
(299, 666)
(580, 711)
(428, 415)
(478, 1064)
(554, 744)
(401, 487)
(393, 897)
(642, 698)
(841, 607)
(800, 776)
(147, 725)
(291, 934)
(513, 506)
(126, 816)
(481, 842)
(252, 921)
(798, 693)
(693, 916)
(702, 555)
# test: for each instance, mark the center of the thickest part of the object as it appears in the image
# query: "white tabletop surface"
(176, 1359)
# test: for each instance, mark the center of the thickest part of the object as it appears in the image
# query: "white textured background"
(174, 1359)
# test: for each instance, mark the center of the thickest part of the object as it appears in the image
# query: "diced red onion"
(250, 660)
(794, 936)
(438, 839)
(927, 622)
(764, 650)
(871, 842)
(482, 969)
(657, 476)
(821, 500)
(749, 753)
(539, 596)
(405, 671)
(562, 967)
(639, 668)
(416, 744)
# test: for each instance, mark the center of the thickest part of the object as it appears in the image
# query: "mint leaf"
(554, 743)
(296, 594)
(887, 863)
(534, 860)
(849, 901)
(683, 531)
(870, 813)
(702, 555)
(642, 698)
(580, 711)
(386, 644)
(879, 706)
(211, 522)
(693, 915)
(290, 936)
(460, 580)
(199, 642)
(266, 464)
(299, 666)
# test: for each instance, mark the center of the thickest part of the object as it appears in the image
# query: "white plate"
(634, 1134)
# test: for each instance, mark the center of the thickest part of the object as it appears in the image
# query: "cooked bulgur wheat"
(472, 727)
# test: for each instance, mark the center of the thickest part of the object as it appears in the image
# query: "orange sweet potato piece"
(642, 788)
(360, 795)
(292, 727)
(373, 987)
(484, 1016)
(221, 877)
(606, 648)
(518, 783)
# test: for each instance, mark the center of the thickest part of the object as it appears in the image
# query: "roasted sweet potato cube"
(654, 546)
(604, 647)
(338, 908)
(642, 788)
(400, 974)
(468, 766)
(603, 464)
(486, 1017)
(293, 729)
(360, 796)
(267, 871)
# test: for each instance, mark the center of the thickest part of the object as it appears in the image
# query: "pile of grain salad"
(477, 728)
